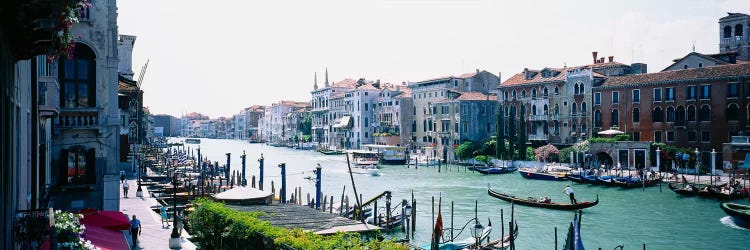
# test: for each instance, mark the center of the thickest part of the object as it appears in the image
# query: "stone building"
(734, 35)
(427, 92)
(322, 119)
(462, 116)
(391, 114)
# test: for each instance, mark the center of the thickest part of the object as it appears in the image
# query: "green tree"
(512, 133)
(466, 150)
(500, 137)
(522, 135)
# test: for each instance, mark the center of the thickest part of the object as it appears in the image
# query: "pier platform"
(308, 219)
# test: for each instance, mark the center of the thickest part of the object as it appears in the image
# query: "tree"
(522, 135)
(466, 150)
(500, 137)
(511, 133)
(489, 147)
(544, 153)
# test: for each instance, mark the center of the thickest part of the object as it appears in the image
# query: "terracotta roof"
(520, 79)
(704, 56)
(461, 76)
(295, 104)
(680, 75)
(121, 86)
(338, 95)
(367, 86)
(475, 96)
(346, 83)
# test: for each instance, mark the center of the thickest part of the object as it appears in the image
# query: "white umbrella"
(611, 132)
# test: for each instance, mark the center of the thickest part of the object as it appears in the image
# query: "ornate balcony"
(78, 118)
(537, 117)
(538, 137)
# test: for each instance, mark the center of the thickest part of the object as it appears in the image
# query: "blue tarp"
(747, 161)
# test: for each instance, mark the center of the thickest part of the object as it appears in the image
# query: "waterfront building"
(190, 124)
(239, 124)
(85, 134)
(322, 119)
(462, 116)
(556, 102)
(391, 114)
(168, 124)
(275, 122)
(253, 116)
(690, 108)
(426, 93)
(129, 100)
(297, 124)
(340, 120)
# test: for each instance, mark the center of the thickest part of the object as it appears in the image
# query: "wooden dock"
(308, 219)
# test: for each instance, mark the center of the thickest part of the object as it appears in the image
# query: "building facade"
(392, 117)
(322, 118)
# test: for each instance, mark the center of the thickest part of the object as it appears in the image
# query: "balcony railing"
(537, 117)
(77, 118)
(538, 137)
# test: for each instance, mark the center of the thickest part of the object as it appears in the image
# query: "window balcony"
(78, 118)
(538, 137)
(537, 117)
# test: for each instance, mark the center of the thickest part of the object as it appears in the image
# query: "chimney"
(477, 71)
(125, 52)
(601, 59)
(594, 55)
(611, 58)
(500, 77)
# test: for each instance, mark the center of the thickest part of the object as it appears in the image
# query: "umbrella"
(611, 132)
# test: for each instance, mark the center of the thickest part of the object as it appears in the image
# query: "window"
(598, 119)
(700, 65)
(489, 128)
(705, 136)
(575, 88)
(738, 31)
(574, 128)
(691, 113)
(78, 78)
(670, 114)
(533, 92)
(669, 94)
(366, 106)
(680, 116)
(546, 109)
(557, 110)
(615, 97)
(670, 136)
(367, 135)
(636, 95)
(705, 91)
(615, 118)
(636, 115)
(424, 125)
(466, 127)
(533, 109)
(574, 109)
(692, 93)
(557, 91)
(79, 167)
(583, 109)
(732, 112)
(657, 115)
(583, 128)
(557, 127)
(514, 94)
(657, 95)
(733, 90)
(414, 126)
(545, 92)
(506, 95)
(657, 136)
(692, 136)
(523, 93)
(455, 128)
(597, 98)
(367, 124)
(705, 114)
(636, 136)
(727, 31)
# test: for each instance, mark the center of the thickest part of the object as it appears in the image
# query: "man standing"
(569, 191)
(125, 187)
(135, 230)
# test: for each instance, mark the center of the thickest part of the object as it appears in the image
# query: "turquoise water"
(661, 220)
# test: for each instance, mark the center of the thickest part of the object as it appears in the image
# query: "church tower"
(315, 87)
(734, 35)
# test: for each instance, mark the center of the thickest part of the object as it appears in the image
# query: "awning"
(747, 161)
(105, 239)
(344, 123)
(103, 229)
(114, 220)
(611, 132)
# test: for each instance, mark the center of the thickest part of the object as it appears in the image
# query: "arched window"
(657, 115)
(738, 30)
(514, 94)
(583, 108)
(574, 128)
(691, 113)
(680, 115)
(78, 78)
(575, 88)
(583, 128)
(545, 91)
(533, 92)
(705, 113)
(546, 109)
(636, 115)
(727, 31)
(523, 93)
(598, 119)
(581, 91)
(533, 109)
(506, 95)
(732, 112)
(574, 109)
(557, 127)
(557, 91)
(670, 114)
(615, 118)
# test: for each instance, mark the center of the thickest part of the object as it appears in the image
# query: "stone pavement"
(153, 235)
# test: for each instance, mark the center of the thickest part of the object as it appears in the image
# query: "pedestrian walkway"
(153, 235)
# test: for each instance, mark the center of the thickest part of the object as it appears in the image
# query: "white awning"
(344, 123)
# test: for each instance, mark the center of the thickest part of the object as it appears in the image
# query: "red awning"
(114, 220)
(106, 239)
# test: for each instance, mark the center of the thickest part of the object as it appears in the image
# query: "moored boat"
(503, 243)
(496, 170)
(364, 157)
(740, 213)
(545, 173)
(365, 169)
(535, 203)
(193, 141)
(392, 155)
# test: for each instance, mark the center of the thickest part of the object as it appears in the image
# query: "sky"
(218, 57)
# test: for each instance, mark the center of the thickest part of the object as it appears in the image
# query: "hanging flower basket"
(64, 41)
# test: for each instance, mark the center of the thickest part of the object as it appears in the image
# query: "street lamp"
(174, 240)
(696, 165)
(407, 214)
(477, 232)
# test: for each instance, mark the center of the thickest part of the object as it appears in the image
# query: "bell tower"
(734, 35)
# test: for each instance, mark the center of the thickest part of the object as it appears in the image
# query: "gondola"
(496, 170)
(586, 179)
(394, 222)
(630, 182)
(503, 243)
(740, 213)
(686, 191)
(534, 203)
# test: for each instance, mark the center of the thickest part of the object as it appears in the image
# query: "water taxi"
(364, 157)
(391, 155)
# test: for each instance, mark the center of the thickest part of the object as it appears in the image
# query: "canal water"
(658, 218)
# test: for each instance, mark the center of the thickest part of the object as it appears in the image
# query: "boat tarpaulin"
(747, 161)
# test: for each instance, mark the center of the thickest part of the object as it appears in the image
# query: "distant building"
(462, 116)
(190, 124)
(393, 115)
(166, 123)
(322, 118)
(734, 35)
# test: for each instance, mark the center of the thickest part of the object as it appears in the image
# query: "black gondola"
(534, 203)
(740, 213)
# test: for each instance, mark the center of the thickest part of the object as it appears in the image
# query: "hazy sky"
(217, 57)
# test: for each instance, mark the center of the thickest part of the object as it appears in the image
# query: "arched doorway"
(603, 158)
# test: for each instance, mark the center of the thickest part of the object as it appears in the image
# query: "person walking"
(164, 217)
(569, 191)
(135, 230)
(125, 187)
(122, 176)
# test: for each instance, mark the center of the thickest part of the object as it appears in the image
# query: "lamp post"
(477, 232)
(174, 240)
(713, 164)
(696, 165)
(658, 159)
(407, 213)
